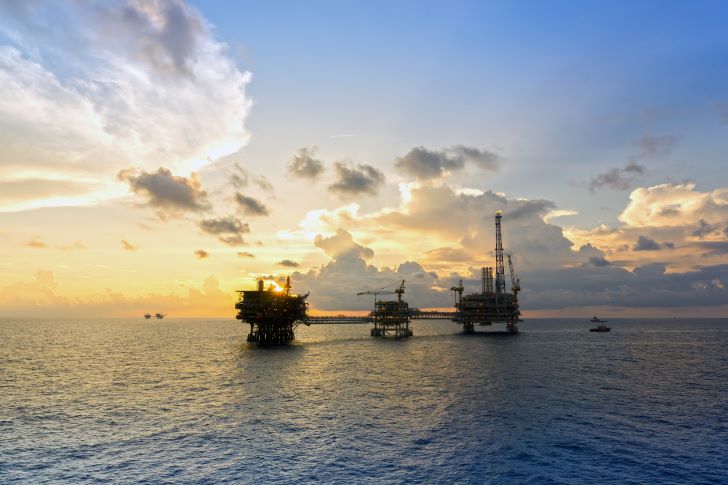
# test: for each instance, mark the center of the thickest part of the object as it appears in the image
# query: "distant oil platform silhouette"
(274, 313)
(158, 316)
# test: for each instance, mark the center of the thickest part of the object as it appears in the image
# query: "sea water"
(177, 400)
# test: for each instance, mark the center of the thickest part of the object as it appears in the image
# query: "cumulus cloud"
(425, 164)
(356, 180)
(251, 206)
(333, 286)
(288, 263)
(305, 165)
(229, 229)
(554, 272)
(127, 246)
(241, 177)
(669, 205)
(644, 243)
(467, 219)
(245, 254)
(617, 178)
(169, 194)
(201, 254)
(147, 82)
(342, 244)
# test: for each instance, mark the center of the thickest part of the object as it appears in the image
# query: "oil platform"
(493, 303)
(390, 317)
(274, 313)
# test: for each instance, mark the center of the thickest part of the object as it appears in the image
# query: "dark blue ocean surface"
(189, 400)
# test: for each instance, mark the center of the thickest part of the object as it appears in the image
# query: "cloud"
(466, 220)
(448, 254)
(655, 146)
(245, 254)
(333, 286)
(14, 194)
(305, 165)
(559, 213)
(646, 244)
(73, 246)
(251, 206)
(228, 229)
(37, 243)
(554, 272)
(146, 82)
(617, 178)
(288, 263)
(713, 248)
(596, 282)
(599, 261)
(127, 246)
(356, 180)
(704, 229)
(170, 194)
(648, 286)
(241, 178)
(201, 254)
(680, 205)
(342, 244)
(424, 164)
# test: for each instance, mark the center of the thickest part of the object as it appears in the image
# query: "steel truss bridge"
(414, 314)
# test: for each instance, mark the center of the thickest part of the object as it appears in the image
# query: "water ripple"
(190, 401)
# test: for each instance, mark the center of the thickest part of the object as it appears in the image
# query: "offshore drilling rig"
(491, 304)
(274, 313)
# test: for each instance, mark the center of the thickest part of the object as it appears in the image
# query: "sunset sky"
(157, 156)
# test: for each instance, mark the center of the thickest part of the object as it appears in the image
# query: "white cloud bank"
(90, 89)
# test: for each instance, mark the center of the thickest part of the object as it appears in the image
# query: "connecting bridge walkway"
(414, 314)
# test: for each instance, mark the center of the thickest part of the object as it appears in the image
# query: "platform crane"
(515, 282)
(384, 291)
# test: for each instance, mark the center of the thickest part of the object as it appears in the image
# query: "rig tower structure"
(500, 273)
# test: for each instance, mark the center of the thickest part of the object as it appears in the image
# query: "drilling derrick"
(500, 280)
(272, 314)
(458, 290)
(390, 317)
(490, 305)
